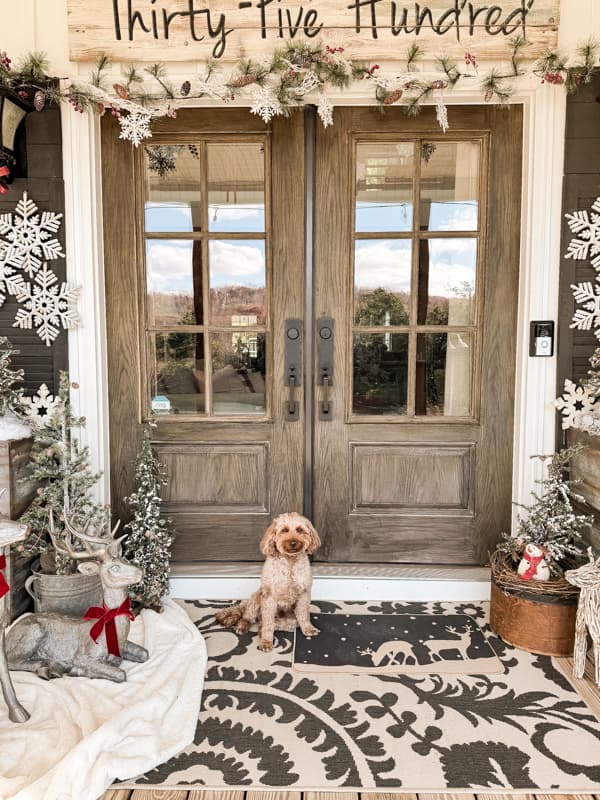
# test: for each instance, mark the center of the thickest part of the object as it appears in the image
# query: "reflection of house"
(242, 341)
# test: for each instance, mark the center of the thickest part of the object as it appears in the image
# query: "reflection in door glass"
(443, 377)
(238, 372)
(380, 373)
(237, 282)
(176, 377)
(172, 188)
(174, 282)
(236, 187)
(384, 186)
(382, 269)
(447, 269)
(449, 186)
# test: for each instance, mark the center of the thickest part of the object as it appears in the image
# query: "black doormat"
(396, 644)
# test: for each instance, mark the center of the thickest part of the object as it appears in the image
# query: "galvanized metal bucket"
(63, 594)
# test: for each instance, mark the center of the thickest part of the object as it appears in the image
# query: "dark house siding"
(42, 177)
(581, 188)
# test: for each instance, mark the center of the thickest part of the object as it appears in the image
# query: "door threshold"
(401, 582)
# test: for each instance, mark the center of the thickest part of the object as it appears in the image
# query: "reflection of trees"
(380, 372)
(380, 307)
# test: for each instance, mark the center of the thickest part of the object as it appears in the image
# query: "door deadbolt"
(293, 366)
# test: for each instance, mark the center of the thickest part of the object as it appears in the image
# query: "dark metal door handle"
(325, 364)
(293, 366)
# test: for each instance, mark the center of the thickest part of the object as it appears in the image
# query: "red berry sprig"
(5, 61)
(471, 61)
(554, 78)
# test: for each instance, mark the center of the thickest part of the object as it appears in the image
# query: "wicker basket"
(537, 616)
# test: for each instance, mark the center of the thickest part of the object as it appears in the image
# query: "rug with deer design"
(396, 644)
(264, 725)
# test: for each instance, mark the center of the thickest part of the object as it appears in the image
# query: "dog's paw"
(265, 645)
(243, 626)
(311, 631)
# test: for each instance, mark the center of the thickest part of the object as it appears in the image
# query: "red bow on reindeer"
(4, 587)
(106, 622)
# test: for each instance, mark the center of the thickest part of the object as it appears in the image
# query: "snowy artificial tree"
(62, 469)
(551, 523)
(12, 402)
(149, 539)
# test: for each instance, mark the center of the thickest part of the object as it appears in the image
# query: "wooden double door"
(321, 320)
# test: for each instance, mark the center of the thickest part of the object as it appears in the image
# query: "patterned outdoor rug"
(266, 726)
(396, 644)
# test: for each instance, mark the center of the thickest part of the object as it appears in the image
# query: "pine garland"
(149, 539)
(61, 467)
(11, 397)
(551, 521)
(292, 76)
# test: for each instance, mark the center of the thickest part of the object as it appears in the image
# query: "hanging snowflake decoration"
(441, 114)
(587, 227)
(265, 104)
(135, 127)
(575, 403)
(588, 317)
(47, 306)
(11, 282)
(41, 406)
(325, 110)
(29, 236)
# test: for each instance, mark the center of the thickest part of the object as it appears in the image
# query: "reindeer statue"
(587, 578)
(52, 645)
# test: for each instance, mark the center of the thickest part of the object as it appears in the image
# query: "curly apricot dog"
(283, 600)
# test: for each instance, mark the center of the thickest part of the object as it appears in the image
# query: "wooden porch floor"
(586, 688)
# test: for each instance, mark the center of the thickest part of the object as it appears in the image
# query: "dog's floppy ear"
(315, 541)
(267, 543)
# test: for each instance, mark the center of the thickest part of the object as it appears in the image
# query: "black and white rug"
(264, 725)
(395, 644)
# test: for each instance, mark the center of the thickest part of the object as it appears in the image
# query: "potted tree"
(532, 605)
(61, 467)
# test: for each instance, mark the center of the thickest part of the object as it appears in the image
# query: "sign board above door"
(191, 30)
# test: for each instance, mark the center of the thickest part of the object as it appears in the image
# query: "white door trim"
(543, 154)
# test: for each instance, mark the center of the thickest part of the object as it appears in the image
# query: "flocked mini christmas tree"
(11, 396)
(149, 539)
(551, 522)
(62, 469)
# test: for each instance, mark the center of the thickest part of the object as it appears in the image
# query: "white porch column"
(85, 268)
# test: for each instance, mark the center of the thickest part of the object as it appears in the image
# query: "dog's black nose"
(294, 543)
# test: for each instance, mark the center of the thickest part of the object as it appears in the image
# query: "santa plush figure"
(533, 564)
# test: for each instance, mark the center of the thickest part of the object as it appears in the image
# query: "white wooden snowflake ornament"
(135, 127)
(575, 404)
(48, 307)
(28, 236)
(587, 228)
(11, 281)
(587, 295)
(41, 406)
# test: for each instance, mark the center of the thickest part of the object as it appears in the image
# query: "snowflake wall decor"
(575, 403)
(587, 227)
(29, 236)
(587, 295)
(41, 406)
(47, 306)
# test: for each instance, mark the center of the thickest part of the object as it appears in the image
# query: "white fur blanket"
(84, 734)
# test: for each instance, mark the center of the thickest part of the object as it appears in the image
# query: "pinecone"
(392, 97)
(244, 80)
(121, 91)
(186, 88)
(438, 84)
(39, 100)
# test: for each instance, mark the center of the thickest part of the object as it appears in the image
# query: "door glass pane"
(237, 282)
(236, 187)
(172, 188)
(382, 269)
(238, 372)
(176, 373)
(384, 186)
(174, 282)
(380, 373)
(449, 186)
(443, 376)
(447, 270)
